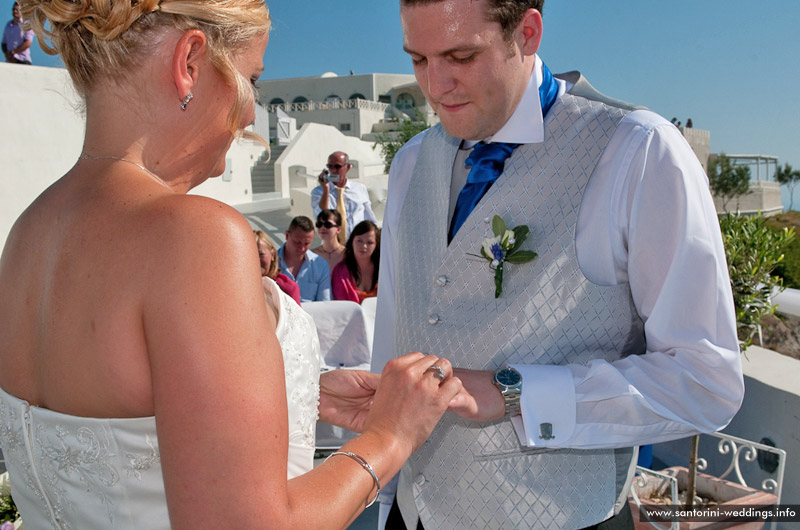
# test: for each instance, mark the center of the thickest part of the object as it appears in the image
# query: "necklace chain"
(331, 252)
(155, 177)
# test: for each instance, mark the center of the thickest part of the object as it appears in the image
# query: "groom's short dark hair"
(507, 13)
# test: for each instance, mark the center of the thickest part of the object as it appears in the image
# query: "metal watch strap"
(511, 397)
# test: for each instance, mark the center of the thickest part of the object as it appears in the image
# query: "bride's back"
(72, 277)
(82, 262)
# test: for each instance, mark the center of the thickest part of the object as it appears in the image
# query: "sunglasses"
(334, 166)
(326, 224)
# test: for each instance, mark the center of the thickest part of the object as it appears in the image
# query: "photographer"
(336, 192)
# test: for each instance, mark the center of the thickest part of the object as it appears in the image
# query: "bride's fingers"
(414, 362)
(420, 367)
(436, 368)
(441, 370)
(405, 361)
(450, 389)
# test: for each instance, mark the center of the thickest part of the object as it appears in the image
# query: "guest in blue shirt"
(310, 271)
(17, 40)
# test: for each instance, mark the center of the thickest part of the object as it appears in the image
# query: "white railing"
(307, 106)
(740, 450)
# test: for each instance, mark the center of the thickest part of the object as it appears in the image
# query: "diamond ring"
(437, 372)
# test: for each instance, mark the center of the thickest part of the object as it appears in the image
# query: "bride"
(143, 384)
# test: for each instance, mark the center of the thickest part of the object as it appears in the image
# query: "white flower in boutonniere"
(504, 248)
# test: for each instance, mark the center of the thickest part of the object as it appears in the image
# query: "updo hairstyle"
(105, 40)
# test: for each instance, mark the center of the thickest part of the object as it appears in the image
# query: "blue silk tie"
(488, 160)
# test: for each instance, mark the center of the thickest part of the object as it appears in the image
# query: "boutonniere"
(504, 248)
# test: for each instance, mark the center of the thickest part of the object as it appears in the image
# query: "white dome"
(329, 74)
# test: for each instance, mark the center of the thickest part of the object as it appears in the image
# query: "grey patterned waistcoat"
(471, 475)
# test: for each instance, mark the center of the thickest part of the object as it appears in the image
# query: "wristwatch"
(509, 382)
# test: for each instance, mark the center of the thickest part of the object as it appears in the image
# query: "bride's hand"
(345, 397)
(414, 392)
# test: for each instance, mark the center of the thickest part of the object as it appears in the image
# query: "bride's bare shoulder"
(191, 223)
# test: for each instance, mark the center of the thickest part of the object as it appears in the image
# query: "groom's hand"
(479, 399)
(345, 397)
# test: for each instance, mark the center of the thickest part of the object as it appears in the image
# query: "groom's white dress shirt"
(646, 218)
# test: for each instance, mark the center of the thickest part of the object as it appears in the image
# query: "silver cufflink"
(546, 431)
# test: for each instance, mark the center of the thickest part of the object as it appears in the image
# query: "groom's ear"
(528, 35)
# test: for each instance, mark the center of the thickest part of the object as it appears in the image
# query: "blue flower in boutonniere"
(503, 248)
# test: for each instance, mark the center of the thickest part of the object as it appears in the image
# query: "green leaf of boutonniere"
(520, 235)
(498, 226)
(521, 256)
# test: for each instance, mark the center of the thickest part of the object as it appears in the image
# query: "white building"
(358, 105)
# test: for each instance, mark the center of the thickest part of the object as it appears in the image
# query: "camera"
(330, 177)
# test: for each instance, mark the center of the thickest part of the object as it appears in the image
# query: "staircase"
(262, 174)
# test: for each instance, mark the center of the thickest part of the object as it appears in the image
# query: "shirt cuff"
(547, 406)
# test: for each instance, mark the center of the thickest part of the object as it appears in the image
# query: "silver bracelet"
(366, 466)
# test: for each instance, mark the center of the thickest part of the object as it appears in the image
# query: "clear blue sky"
(730, 65)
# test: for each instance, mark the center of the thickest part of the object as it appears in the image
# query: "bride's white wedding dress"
(75, 473)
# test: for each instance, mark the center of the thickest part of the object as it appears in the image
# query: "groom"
(620, 333)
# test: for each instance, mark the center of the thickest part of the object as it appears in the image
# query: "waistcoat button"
(419, 480)
(433, 319)
(441, 281)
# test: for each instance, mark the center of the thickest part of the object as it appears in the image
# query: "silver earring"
(186, 100)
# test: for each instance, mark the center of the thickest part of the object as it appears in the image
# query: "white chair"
(345, 332)
(368, 308)
(345, 335)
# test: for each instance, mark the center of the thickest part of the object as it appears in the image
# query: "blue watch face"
(508, 377)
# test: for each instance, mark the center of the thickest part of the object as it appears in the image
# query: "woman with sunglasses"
(329, 224)
(356, 277)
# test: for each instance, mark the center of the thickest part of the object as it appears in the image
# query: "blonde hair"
(104, 40)
(261, 236)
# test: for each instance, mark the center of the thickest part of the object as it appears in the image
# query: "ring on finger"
(437, 371)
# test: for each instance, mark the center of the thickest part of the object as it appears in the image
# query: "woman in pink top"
(269, 266)
(356, 276)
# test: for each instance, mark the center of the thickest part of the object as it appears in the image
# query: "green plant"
(788, 177)
(391, 142)
(789, 268)
(753, 251)
(727, 180)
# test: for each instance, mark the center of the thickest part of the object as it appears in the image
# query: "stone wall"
(699, 141)
(764, 198)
